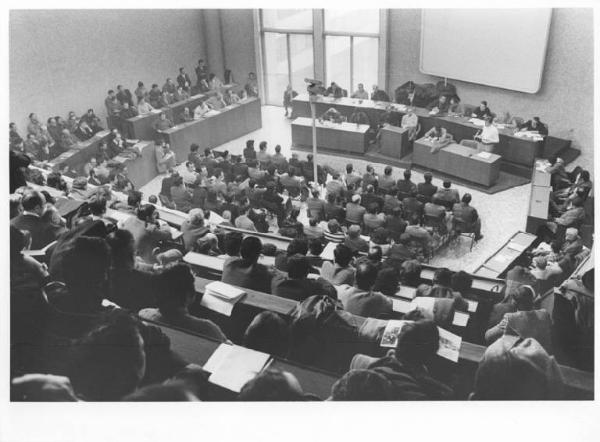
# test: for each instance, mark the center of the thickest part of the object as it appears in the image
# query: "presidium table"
(215, 128)
(513, 148)
(459, 161)
(348, 137)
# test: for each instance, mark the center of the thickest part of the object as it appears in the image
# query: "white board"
(504, 48)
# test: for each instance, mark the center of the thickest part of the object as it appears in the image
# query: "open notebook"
(221, 297)
(231, 366)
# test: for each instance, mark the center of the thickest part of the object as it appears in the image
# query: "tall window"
(331, 45)
(351, 47)
(287, 45)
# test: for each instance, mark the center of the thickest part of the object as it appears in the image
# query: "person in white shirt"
(361, 93)
(189, 174)
(488, 137)
(200, 110)
(143, 107)
(410, 121)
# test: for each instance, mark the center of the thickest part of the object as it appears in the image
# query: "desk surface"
(345, 126)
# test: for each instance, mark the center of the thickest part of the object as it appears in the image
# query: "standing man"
(182, 78)
(201, 71)
(288, 96)
(410, 121)
(488, 137)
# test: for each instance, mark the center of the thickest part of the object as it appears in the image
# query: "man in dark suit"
(42, 232)
(426, 188)
(183, 78)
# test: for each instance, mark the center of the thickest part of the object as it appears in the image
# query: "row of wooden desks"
(141, 127)
(497, 264)
(512, 148)
(80, 154)
(228, 124)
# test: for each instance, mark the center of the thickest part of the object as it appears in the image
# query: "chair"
(462, 228)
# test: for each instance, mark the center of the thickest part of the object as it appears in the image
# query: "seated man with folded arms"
(534, 125)
(439, 106)
(482, 111)
(165, 157)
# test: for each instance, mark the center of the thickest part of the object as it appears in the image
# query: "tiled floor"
(502, 214)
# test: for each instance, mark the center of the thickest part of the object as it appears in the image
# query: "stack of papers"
(484, 155)
(156, 111)
(477, 121)
(231, 366)
(449, 345)
(221, 297)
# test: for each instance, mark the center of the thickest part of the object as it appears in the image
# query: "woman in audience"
(525, 322)
(176, 293)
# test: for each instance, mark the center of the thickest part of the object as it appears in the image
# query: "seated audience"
(268, 332)
(176, 293)
(296, 285)
(360, 299)
(245, 271)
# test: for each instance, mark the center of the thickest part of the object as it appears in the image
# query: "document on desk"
(231, 366)
(449, 345)
(476, 121)
(460, 319)
(407, 292)
(391, 333)
(327, 252)
(156, 111)
(472, 305)
(484, 155)
(401, 306)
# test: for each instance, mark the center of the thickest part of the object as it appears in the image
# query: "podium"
(394, 142)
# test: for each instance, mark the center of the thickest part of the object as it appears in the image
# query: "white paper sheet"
(449, 345)
(472, 305)
(460, 319)
(400, 306)
(391, 332)
(236, 367)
